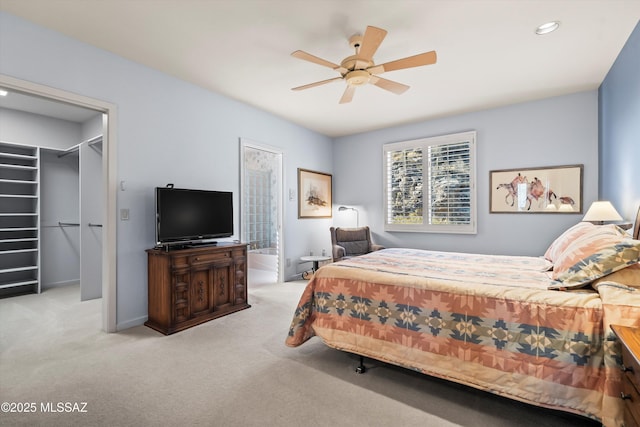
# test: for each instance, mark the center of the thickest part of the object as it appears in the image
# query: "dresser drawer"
(630, 348)
(632, 367)
(631, 399)
(205, 258)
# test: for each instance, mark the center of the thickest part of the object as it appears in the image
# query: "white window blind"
(430, 184)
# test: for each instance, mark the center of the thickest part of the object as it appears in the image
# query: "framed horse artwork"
(554, 189)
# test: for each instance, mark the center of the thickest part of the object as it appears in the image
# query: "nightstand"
(630, 340)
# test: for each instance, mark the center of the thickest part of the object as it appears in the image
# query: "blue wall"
(620, 130)
(550, 132)
(168, 131)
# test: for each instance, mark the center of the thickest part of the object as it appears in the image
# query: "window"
(430, 184)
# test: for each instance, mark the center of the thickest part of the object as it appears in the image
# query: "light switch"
(124, 214)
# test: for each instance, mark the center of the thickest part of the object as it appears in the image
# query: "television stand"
(193, 285)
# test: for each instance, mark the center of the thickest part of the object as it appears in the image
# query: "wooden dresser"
(630, 341)
(194, 285)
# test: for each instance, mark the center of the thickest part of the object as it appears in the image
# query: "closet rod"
(69, 151)
(68, 224)
(95, 225)
(90, 142)
(95, 140)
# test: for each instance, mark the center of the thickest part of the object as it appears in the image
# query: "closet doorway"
(261, 211)
(44, 101)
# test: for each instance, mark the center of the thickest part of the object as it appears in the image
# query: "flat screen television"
(186, 216)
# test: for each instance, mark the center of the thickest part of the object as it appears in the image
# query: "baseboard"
(131, 323)
(59, 284)
(297, 276)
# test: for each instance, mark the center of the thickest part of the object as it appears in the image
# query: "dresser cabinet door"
(222, 286)
(181, 311)
(200, 292)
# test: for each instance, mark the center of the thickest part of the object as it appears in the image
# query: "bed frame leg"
(361, 369)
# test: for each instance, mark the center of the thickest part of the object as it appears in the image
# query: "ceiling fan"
(359, 69)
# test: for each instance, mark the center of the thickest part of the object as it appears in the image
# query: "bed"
(533, 329)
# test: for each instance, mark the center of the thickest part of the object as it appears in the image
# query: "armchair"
(350, 242)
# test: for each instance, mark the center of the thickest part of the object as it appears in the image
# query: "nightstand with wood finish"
(630, 340)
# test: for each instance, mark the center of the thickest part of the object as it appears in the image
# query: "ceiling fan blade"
(347, 96)
(311, 58)
(419, 60)
(391, 86)
(373, 36)
(310, 85)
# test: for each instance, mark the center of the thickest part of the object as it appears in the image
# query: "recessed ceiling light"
(547, 27)
(3, 92)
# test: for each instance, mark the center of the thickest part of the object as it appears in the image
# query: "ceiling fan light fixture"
(357, 77)
(547, 27)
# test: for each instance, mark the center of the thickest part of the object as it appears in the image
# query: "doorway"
(261, 207)
(108, 178)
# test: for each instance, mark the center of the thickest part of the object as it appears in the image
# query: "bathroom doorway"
(261, 211)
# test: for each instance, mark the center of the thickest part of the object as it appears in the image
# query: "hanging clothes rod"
(95, 225)
(69, 151)
(68, 224)
(90, 142)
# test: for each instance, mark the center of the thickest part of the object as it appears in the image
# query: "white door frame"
(109, 179)
(246, 143)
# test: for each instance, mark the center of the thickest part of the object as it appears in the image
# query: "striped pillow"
(594, 255)
(566, 238)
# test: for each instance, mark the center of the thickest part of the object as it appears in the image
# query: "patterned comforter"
(431, 311)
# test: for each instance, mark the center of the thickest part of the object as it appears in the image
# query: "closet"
(19, 221)
(50, 205)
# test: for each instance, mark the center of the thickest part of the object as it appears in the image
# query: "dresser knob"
(625, 396)
(626, 368)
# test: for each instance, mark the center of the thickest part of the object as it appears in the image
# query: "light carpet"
(232, 371)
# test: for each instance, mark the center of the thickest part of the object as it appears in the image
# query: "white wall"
(168, 131)
(550, 132)
(33, 129)
(92, 127)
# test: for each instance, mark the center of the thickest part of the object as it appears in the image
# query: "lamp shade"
(602, 211)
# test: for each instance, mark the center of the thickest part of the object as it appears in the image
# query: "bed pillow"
(566, 238)
(590, 242)
(598, 263)
(629, 276)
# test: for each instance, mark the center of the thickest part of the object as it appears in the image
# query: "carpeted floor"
(232, 371)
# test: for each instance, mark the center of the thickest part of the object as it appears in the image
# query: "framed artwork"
(554, 189)
(314, 194)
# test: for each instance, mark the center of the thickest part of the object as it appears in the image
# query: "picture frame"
(314, 194)
(552, 189)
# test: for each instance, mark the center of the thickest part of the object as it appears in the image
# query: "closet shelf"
(16, 284)
(26, 239)
(18, 181)
(18, 156)
(18, 214)
(19, 229)
(18, 196)
(13, 270)
(17, 251)
(10, 166)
